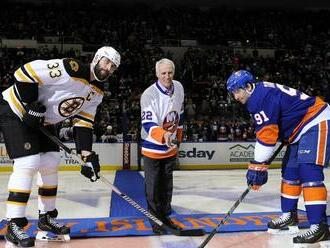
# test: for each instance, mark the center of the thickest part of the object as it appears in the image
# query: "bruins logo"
(171, 121)
(74, 65)
(70, 106)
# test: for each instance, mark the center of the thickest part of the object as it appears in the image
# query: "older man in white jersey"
(162, 121)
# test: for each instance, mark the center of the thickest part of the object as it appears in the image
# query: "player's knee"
(49, 163)
(311, 173)
(26, 166)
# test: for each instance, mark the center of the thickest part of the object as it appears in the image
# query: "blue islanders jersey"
(282, 113)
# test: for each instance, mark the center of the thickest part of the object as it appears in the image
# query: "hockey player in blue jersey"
(283, 113)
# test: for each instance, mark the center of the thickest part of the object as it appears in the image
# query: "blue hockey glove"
(257, 174)
(91, 168)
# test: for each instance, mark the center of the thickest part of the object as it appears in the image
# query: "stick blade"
(184, 232)
(192, 232)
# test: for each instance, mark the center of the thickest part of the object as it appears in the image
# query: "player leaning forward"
(283, 113)
(46, 92)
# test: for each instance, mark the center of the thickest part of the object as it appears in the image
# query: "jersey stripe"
(30, 70)
(322, 143)
(153, 146)
(80, 118)
(312, 112)
(148, 125)
(21, 77)
(98, 90)
(82, 80)
(82, 123)
(157, 133)
(14, 100)
(85, 115)
(27, 74)
(154, 155)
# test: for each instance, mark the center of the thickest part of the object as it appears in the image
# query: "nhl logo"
(27, 146)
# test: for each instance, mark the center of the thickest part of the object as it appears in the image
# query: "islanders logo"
(171, 121)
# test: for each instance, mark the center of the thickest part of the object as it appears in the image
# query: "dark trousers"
(21, 140)
(159, 185)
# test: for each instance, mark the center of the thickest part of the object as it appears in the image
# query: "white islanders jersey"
(161, 113)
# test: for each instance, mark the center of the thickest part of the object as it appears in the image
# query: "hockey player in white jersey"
(162, 122)
(46, 92)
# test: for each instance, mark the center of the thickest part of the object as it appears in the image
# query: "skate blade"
(304, 245)
(51, 237)
(290, 230)
(10, 245)
(325, 244)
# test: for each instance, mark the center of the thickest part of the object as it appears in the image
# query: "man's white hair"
(164, 61)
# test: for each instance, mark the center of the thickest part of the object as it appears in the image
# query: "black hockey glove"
(91, 168)
(35, 115)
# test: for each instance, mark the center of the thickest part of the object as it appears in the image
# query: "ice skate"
(15, 236)
(287, 223)
(50, 230)
(316, 236)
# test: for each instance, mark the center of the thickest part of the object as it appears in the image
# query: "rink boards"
(210, 155)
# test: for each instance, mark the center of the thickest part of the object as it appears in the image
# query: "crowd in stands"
(299, 39)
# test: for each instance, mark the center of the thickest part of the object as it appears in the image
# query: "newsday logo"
(241, 153)
(194, 153)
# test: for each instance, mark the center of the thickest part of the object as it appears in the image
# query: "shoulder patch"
(77, 69)
(74, 65)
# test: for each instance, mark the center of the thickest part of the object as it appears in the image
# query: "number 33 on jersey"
(63, 87)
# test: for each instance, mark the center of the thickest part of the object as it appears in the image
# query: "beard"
(101, 74)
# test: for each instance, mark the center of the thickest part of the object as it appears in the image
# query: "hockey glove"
(34, 115)
(91, 168)
(257, 174)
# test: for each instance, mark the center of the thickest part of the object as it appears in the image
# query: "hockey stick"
(240, 199)
(189, 232)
